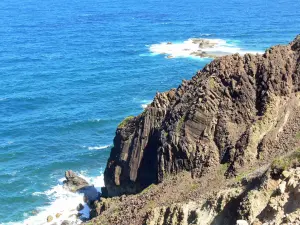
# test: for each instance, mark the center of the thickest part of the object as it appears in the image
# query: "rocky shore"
(76, 184)
(222, 148)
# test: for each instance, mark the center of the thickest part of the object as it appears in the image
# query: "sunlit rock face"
(226, 114)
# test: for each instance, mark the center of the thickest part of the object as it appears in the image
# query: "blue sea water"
(72, 70)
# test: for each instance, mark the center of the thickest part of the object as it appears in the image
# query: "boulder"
(90, 193)
(80, 207)
(73, 182)
(65, 222)
(49, 219)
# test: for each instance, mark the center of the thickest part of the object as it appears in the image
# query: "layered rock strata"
(233, 113)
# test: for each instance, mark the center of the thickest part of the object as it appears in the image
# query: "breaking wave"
(62, 203)
(199, 48)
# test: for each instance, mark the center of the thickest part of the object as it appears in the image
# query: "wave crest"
(63, 202)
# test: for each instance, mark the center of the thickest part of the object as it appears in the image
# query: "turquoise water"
(72, 70)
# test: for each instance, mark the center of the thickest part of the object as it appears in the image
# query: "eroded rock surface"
(263, 204)
(234, 112)
(73, 182)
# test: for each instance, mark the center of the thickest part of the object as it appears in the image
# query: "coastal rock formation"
(266, 195)
(266, 204)
(239, 111)
(73, 182)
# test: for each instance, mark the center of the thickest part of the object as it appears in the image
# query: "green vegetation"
(147, 189)
(298, 135)
(212, 83)
(180, 123)
(223, 168)
(165, 134)
(151, 205)
(241, 176)
(193, 186)
(284, 163)
(125, 121)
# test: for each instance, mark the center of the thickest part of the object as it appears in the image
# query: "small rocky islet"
(199, 51)
(222, 148)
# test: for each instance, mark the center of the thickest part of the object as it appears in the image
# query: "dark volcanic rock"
(74, 182)
(90, 194)
(225, 114)
(80, 207)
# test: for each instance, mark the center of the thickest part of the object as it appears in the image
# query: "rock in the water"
(90, 193)
(58, 215)
(49, 219)
(80, 207)
(74, 182)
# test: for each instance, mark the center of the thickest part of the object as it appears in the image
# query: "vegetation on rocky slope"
(212, 146)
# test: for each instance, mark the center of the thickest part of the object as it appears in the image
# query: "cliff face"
(232, 113)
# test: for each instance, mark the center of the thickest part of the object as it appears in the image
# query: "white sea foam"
(188, 48)
(61, 201)
(98, 147)
(145, 103)
(144, 106)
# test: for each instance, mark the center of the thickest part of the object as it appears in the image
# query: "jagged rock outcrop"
(233, 112)
(74, 182)
(268, 202)
(267, 195)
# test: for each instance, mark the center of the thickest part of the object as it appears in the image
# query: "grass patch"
(147, 189)
(298, 135)
(125, 121)
(193, 186)
(211, 83)
(284, 163)
(150, 205)
(241, 176)
(180, 123)
(223, 168)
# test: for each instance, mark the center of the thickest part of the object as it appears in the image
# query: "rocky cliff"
(238, 112)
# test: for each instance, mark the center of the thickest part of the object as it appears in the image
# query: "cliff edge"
(238, 111)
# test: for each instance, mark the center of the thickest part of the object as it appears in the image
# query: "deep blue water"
(72, 70)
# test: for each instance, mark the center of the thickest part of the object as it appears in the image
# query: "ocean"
(72, 70)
